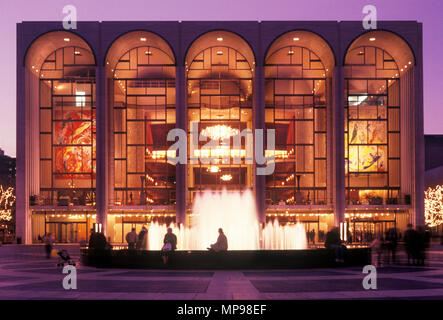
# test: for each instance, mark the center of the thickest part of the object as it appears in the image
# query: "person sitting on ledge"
(333, 242)
(221, 244)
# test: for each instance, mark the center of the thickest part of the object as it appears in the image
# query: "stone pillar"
(259, 123)
(419, 141)
(180, 107)
(101, 138)
(339, 146)
(22, 198)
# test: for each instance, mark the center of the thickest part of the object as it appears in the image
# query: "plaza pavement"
(28, 275)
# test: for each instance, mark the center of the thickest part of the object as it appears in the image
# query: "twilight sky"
(430, 12)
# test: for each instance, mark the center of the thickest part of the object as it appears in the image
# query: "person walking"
(131, 239)
(391, 245)
(222, 242)
(142, 239)
(410, 239)
(48, 240)
(377, 246)
(169, 246)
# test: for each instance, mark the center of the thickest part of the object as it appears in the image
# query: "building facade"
(95, 106)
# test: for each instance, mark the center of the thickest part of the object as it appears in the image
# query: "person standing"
(142, 242)
(410, 238)
(48, 240)
(131, 239)
(169, 245)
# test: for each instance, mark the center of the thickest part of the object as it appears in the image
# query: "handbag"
(167, 247)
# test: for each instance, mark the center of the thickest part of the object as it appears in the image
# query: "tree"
(434, 206)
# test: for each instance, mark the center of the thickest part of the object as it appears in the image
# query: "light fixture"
(296, 38)
(372, 39)
(213, 169)
(290, 52)
(77, 53)
(66, 39)
(143, 39)
(219, 53)
(148, 53)
(219, 132)
(219, 39)
(226, 177)
(409, 62)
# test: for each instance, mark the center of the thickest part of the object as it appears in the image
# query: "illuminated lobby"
(95, 105)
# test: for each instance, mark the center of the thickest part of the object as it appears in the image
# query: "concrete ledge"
(260, 259)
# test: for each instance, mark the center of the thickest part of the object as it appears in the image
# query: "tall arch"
(298, 67)
(379, 68)
(140, 68)
(60, 76)
(219, 83)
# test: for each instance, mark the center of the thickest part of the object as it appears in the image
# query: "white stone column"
(338, 184)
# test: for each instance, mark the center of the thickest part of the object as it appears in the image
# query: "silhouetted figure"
(391, 239)
(169, 246)
(410, 238)
(142, 239)
(131, 239)
(377, 245)
(48, 240)
(333, 242)
(98, 249)
(313, 236)
(423, 240)
(222, 242)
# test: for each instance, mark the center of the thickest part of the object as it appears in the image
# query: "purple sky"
(430, 12)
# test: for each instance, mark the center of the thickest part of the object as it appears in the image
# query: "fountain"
(251, 244)
(235, 212)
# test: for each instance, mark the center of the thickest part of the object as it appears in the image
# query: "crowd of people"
(140, 241)
(415, 244)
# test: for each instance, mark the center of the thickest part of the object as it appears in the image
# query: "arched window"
(67, 125)
(142, 71)
(297, 99)
(219, 74)
(373, 70)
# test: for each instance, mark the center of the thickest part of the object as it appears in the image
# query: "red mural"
(75, 136)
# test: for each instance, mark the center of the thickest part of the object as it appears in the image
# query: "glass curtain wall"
(144, 112)
(372, 127)
(219, 100)
(67, 127)
(295, 107)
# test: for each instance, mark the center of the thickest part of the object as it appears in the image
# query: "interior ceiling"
(132, 40)
(388, 41)
(43, 46)
(229, 40)
(309, 40)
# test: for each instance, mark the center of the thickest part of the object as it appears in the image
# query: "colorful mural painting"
(77, 142)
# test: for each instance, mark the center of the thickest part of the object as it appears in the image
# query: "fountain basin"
(234, 259)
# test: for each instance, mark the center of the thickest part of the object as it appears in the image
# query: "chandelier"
(218, 132)
(226, 177)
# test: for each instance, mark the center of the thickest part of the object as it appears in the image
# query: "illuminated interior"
(219, 78)
(297, 102)
(143, 88)
(67, 125)
(372, 121)
(219, 75)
